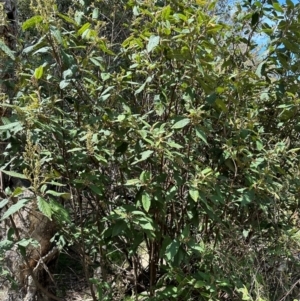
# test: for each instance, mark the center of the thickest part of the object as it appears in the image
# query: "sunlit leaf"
(172, 249)
(201, 134)
(144, 156)
(14, 174)
(32, 22)
(153, 42)
(146, 201)
(6, 50)
(194, 193)
(277, 7)
(83, 28)
(3, 203)
(38, 73)
(181, 123)
(44, 207)
(14, 208)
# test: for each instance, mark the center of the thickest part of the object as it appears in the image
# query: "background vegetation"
(163, 140)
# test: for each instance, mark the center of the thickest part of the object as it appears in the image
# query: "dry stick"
(293, 286)
(1, 182)
(135, 271)
(46, 259)
(39, 286)
(152, 269)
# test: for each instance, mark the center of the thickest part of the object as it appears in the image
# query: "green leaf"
(290, 3)
(170, 293)
(22, 250)
(67, 60)
(62, 215)
(277, 7)
(44, 207)
(246, 233)
(67, 18)
(247, 197)
(144, 156)
(142, 87)
(5, 244)
(95, 14)
(105, 76)
(17, 192)
(14, 208)
(254, 19)
(194, 193)
(165, 13)
(259, 145)
(64, 195)
(38, 73)
(172, 249)
(135, 11)
(221, 105)
(145, 176)
(100, 158)
(230, 164)
(181, 123)
(83, 28)
(146, 226)
(199, 284)
(10, 126)
(153, 42)
(97, 61)
(207, 171)
(174, 145)
(146, 201)
(214, 29)
(138, 212)
(63, 84)
(260, 69)
(6, 50)
(132, 182)
(14, 174)
(28, 242)
(258, 161)
(43, 50)
(10, 234)
(76, 149)
(96, 189)
(32, 22)
(293, 150)
(119, 227)
(201, 134)
(290, 46)
(3, 203)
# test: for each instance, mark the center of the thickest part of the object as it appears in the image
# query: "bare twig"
(291, 289)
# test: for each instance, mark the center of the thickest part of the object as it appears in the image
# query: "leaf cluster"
(163, 143)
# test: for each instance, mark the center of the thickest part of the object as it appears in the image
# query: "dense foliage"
(160, 132)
